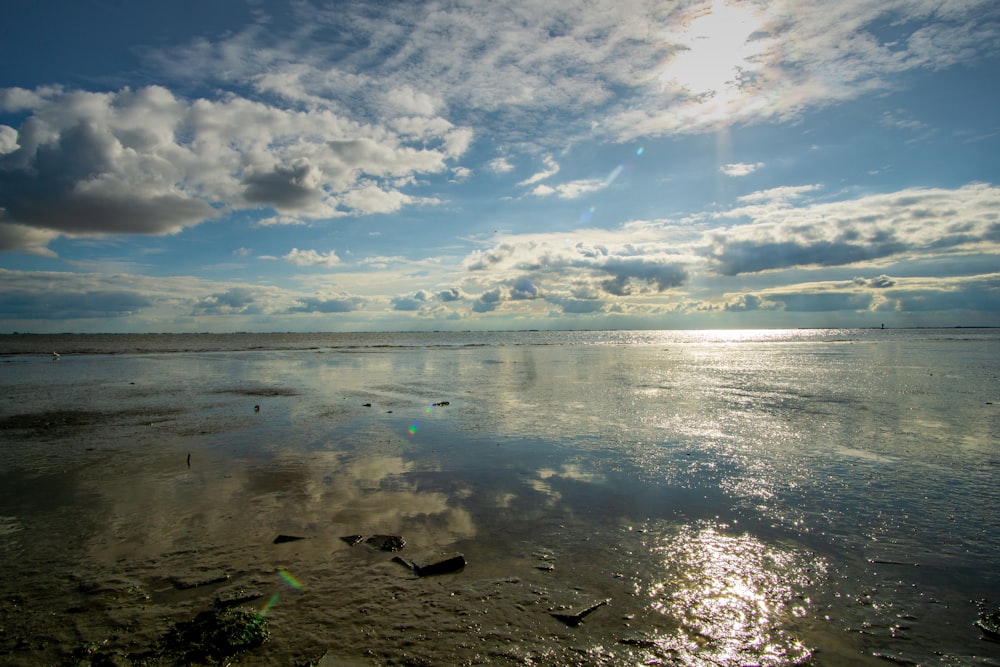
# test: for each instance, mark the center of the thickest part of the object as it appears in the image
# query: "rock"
(574, 617)
(380, 542)
(386, 542)
(281, 539)
(443, 564)
(440, 404)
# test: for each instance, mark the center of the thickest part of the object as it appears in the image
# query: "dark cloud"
(524, 290)
(577, 306)
(238, 300)
(49, 305)
(490, 300)
(879, 282)
(636, 274)
(981, 295)
(453, 294)
(71, 183)
(22, 237)
(410, 303)
(734, 257)
(315, 305)
(288, 187)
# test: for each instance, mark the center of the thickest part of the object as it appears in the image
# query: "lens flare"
(413, 428)
(287, 577)
(270, 604)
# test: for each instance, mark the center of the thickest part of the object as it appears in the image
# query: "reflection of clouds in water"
(230, 504)
(730, 597)
(569, 471)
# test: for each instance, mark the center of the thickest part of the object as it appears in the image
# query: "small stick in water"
(189, 460)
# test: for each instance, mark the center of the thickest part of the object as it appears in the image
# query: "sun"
(717, 51)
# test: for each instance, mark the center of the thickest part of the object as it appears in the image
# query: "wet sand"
(112, 535)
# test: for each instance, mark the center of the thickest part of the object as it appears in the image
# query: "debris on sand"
(574, 617)
(281, 539)
(443, 564)
(379, 542)
(386, 542)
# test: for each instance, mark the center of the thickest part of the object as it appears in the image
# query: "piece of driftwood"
(574, 617)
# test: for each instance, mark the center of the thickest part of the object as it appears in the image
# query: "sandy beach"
(139, 491)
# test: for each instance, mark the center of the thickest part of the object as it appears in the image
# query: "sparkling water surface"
(745, 497)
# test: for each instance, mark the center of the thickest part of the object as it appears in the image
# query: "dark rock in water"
(443, 564)
(216, 635)
(573, 617)
(440, 565)
(989, 623)
(440, 404)
(281, 539)
(353, 539)
(386, 542)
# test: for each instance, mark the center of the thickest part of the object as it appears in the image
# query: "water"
(761, 497)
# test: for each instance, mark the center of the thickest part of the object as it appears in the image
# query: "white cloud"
(311, 258)
(500, 165)
(280, 220)
(736, 169)
(552, 168)
(571, 189)
(8, 139)
(632, 69)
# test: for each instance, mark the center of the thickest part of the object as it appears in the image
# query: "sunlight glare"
(718, 51)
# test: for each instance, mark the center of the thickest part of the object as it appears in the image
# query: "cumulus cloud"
(311, 258)
(452, 294)
(781, 235)
(147, 162)
(413, 302)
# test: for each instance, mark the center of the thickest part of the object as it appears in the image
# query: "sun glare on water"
(717, 51)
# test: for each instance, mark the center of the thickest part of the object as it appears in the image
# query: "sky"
(263, 165)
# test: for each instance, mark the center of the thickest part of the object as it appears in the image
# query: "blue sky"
(346, 166)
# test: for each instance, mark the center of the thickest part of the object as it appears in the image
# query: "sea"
(743, 497)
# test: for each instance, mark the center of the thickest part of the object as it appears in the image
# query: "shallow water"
(768, 498)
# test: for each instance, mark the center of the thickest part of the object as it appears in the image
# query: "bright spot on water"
(731, 597)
